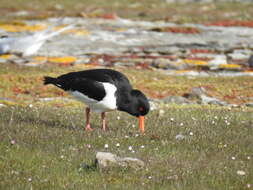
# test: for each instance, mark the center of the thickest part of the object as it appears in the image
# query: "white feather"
(108, 103)
(29, 44)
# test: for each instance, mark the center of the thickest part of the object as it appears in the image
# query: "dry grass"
(144, 10)
(44, 148)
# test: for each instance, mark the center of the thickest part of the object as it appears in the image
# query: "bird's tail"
(49, 80)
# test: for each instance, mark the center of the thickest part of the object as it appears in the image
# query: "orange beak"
(141, 124)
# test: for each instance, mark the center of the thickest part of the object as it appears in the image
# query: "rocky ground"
(175, 49)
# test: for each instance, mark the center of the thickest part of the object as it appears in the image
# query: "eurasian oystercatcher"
(103, 90)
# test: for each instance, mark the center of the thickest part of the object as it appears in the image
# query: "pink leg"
(87, 126)
(103, 121)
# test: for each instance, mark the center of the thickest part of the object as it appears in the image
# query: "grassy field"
(142, 10)
(44, 148)
(43, 145)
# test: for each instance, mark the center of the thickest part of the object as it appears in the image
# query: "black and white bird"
(103, 90)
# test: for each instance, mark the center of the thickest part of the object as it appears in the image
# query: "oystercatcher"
(103, 90)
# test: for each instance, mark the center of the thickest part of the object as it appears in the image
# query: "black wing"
(101, 75)
(90, 88)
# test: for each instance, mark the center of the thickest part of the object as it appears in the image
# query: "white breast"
(108, 103)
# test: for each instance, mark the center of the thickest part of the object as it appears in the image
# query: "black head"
(137, 104)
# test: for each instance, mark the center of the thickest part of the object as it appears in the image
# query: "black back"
(88, 82)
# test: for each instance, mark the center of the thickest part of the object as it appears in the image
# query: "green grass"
(141, 10)
(25, 84)
(50, 145)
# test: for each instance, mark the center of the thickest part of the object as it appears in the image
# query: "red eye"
(141, 109)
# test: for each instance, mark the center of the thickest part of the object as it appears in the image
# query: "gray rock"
(250, 61)
(250, 104)
(168, 64)
(175, 99)
(180, 137)
(237, 56)
(210, 100)
(198, 91)
(107, 160)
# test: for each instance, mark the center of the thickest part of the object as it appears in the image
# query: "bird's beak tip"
(141, 124)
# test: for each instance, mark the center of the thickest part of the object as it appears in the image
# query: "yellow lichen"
(5, 56)
(21, 28)
(66, 59)
(229, 66)
(194, 62)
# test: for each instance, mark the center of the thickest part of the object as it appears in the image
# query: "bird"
(103, 90)
(29, 44)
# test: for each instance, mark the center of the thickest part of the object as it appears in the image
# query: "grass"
(25, 84)
(44, 147)
(141, 10)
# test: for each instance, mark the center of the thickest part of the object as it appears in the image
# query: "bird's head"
(138, 106)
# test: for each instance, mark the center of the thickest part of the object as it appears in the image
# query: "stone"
(162, 63)
(198, 91)
(249, 104)
(175, 99)
(250, 61)
(210, 100)
(218, 60)
(237, 56)
(180, 137)
(106, 160)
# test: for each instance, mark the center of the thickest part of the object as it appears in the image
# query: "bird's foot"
(88, 128)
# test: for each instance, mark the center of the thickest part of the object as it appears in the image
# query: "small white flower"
(106, 146)
(191, 133)
(117, 145)
(172, 119)
(161, 112)
(181, 124)
(126, 136)
(225, 145)
(248, 185)
(29, 179)
(240, 172)
(130, 148)
(13, 142)
(133, 125)
(233, 158)
(248, 157)
(149, 177)
(133, 151)
(118, 117)
(179, 137)
(62, 156)
(142, 146)
(136, 135)
(30, 105)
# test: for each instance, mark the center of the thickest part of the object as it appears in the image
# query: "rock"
(218, 60)
(250, 61)
(168, 64)
(175, 99)
(107, 160)
(237, 56)
(249, 104)
(180, 137)
(210, 100)
(198, 91)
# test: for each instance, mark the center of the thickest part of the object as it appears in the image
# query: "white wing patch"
(108, 103)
